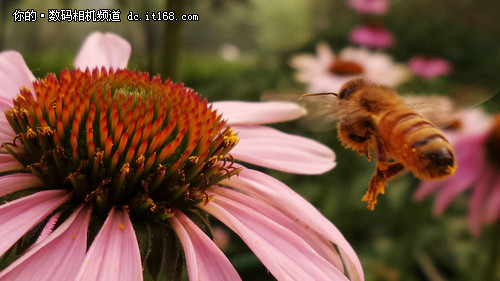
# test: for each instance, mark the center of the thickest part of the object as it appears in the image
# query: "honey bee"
(373, 117)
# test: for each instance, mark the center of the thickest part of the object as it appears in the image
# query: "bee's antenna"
(318, 94)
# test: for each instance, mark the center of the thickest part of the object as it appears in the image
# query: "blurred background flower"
(327, 72)
(429, 67)
(477, 144)
(377, 7)
(371, 36)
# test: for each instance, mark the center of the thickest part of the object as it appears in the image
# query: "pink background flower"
(474, 173)
(372, 37)
(377, 7)
(429, 67)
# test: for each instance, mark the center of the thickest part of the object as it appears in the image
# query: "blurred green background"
(239, 49)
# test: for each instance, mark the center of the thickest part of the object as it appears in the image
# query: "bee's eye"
(346, 92)
(350, 87)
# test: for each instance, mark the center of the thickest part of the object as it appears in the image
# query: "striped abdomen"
(417, 144)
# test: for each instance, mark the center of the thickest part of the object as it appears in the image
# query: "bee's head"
(370, 97)
(351, 87)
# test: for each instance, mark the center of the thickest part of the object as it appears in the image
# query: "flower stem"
(172, 41)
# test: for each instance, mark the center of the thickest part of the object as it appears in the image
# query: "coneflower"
(109, 174)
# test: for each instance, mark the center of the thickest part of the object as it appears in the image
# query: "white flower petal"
(58, 257)
(325, 55)
(317, 74)
(205, 261)
(114, 253)
(254, 113)
(328, 83)
(103, 50)
(19, 216)
(273, 149)
(304, 62)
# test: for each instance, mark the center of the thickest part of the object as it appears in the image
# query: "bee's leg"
(381, 157)
(384, 172)
(354, 141)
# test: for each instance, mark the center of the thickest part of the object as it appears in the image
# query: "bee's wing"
(322, 111)
(474, 96)
(440, 110)
(444, 111)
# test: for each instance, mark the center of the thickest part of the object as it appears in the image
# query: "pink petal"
(453, 186)
(268, 189)
(114, 253)
(269, 207)
(14, 74)
(48, 228)
(475, 123)
(273, 149)
(9, 163)
(371, 36)
(477, 202)
(205, 261)
(492, 212)
(429, 67)
(377, 7)
(470, 161)
(56, 258)
(16, 182)
(426, 188)
(103, 50)
(286, 255)
(19, 216)
(254, 113)
(6, 132)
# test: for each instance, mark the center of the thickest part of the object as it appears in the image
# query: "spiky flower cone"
(119, 138)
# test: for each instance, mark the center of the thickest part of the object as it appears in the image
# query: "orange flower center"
(121, 138)
(344, 67)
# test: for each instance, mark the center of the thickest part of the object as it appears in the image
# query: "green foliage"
(160, 251)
